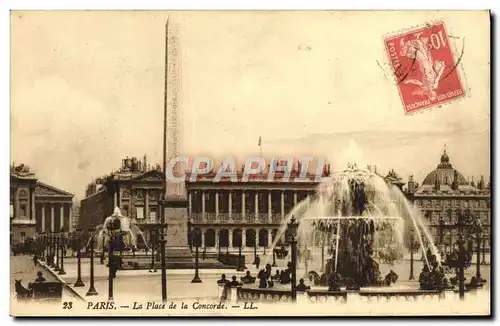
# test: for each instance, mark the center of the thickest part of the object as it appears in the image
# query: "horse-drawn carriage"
(44, 291)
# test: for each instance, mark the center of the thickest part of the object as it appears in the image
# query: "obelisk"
(175, 199)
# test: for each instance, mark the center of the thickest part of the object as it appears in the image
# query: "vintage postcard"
(238, 163)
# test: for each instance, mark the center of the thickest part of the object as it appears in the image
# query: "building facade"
(35, 206)
(251, 212)
(224, 211)
(227, 211)
(135, 188)
(446, 198)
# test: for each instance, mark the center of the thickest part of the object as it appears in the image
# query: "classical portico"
(252, 213)
(36, 206)
(53, 209)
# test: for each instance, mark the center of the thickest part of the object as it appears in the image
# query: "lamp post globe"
(63, 240)
(197, 236)
(412, 248)
(78, 244)
(56, 239)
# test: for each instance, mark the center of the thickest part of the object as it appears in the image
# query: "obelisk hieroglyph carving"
(175, 208)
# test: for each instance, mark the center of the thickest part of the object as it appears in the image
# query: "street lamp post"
(45, 245)
(441, 230)
(478, 258)
(57, 239)
(42, 247)
(163, 243)
(292, 226)
(323, 253)
(102, 252)
(274, 258)
(114, 229)
(91, 290)
(78, 244)
(219, 255)
(461, 263)
(61, 255)
(46, 248)
(412, 244)
(110, 267)
(197, 235)
(483, 262)
(240, 243)
(255, 250)
(51, 249)
(478, 229)
(153, 240)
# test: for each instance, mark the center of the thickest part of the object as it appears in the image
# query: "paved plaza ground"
(142, 286)
(23, 268)
(147, 285)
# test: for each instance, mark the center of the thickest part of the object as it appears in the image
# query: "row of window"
(140, 212)
(451, 216)
(467, 203)
(153, 194)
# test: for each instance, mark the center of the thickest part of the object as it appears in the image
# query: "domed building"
(445, 197)
(445, 174)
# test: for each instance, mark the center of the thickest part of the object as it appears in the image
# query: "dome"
(444, 173)
(445, 158)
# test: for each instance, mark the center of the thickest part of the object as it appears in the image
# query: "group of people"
(433, 278)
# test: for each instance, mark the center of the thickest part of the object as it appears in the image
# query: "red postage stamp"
(425, 70)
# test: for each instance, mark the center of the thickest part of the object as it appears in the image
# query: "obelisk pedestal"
(177, 250)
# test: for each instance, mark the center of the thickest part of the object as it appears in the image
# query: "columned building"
(224, 211)
(36, 206)
(251, 212)
(135, 188)
(446, 198)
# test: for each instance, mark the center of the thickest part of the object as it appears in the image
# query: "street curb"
(66, 285)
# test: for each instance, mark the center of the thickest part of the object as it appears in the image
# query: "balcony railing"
(146, 221)
(235, 218)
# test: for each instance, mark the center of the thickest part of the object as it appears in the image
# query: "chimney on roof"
(145, 166)
(481, 183)
(411, 184)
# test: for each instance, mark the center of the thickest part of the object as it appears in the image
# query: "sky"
(87, 90)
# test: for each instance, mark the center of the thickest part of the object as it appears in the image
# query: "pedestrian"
(40, 278)
(257, 262)
(35, 258)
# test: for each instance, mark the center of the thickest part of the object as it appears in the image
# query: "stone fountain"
(129, 231)
(362, 220)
